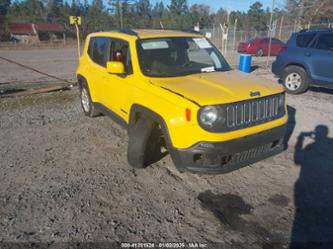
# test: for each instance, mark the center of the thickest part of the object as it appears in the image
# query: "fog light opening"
(197, 157)
(275, 143)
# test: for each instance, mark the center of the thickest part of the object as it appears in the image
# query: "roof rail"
(125, 31)
(313, 30)
(192, 31)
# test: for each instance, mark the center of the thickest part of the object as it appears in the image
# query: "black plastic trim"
(126, 31)
(184, 158)
(119, 120)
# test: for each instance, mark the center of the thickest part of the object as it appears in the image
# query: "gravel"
(64, 178)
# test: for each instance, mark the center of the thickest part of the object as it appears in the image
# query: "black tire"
(295, 80)
(144, 145)
(259, 52)
(87, 105)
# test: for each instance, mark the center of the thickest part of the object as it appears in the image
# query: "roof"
(49, 27)
(30, 28)
(21, 28)
(316, 30)
(148, 33)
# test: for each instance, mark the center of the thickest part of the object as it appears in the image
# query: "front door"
(117, 87)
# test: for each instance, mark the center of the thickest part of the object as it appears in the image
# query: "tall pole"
(78, 40)
(301, 12)
(120, 13)
(281, 24)
(270, 32)
(234, 41)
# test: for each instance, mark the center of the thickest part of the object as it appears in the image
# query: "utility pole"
(281, 24)
(270, 32)
(120, 6)
(234, 41)
(300, 14)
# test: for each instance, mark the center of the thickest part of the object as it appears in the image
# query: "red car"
(259, 46)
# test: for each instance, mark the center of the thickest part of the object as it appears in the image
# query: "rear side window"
(97, 50)
(276, 41)
(304, 40)
(265, 40)
(325, 42)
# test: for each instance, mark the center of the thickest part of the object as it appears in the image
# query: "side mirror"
(115, 67)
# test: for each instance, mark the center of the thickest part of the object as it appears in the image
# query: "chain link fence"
(235, 36)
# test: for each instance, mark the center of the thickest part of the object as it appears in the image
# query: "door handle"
(307, 54)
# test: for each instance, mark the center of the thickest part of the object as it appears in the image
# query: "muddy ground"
(65, 178)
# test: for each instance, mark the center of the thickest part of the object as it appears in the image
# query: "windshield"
(177, 56)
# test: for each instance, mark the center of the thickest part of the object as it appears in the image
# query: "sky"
(242, 5)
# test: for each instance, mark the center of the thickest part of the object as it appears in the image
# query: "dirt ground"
(64, 178)
(60, 62)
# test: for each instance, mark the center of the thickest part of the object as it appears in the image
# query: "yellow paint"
(120, 93)
(75, 20)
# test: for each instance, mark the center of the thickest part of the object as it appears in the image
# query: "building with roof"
(31, 32)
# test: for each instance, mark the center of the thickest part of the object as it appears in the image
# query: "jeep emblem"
(254, 93)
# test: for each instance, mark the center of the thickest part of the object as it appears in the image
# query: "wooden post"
(281, 24)
(78, 40)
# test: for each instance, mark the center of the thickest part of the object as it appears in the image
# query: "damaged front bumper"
(223, 157)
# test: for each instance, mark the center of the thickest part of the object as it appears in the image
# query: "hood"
(218, 87)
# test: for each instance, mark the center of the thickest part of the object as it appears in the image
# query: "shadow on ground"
(313, 193)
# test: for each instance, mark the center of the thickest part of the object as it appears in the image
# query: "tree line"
(143, 14)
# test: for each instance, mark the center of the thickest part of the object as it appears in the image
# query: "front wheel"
(145, 143)
(295, 80)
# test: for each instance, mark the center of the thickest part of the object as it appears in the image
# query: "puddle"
(10, 91)
(279, 200)
(228, 209)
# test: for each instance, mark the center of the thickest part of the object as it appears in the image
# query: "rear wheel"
(259, 52)
(295, 80)
(88, 106)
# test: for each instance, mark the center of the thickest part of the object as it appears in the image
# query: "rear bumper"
(223, 157)
(242, 50)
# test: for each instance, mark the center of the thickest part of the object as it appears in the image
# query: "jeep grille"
(249, 113)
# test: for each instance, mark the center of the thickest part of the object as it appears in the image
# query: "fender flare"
(304, 66)
(137, 108)
(81, 79)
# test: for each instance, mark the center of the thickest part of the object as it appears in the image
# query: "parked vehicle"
(260, 46)
(307, 61)
(175, 91)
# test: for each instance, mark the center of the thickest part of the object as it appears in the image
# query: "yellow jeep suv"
(175, 93)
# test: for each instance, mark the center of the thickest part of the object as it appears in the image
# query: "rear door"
(98, 56)
(320, 56)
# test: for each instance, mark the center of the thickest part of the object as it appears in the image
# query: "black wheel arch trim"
(306, 69)
(137, 108)
(81, 79)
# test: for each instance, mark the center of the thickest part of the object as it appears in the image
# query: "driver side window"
(120, 51)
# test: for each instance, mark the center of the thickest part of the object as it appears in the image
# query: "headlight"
(208, 115)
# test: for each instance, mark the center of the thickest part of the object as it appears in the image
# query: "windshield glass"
(177, 56)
